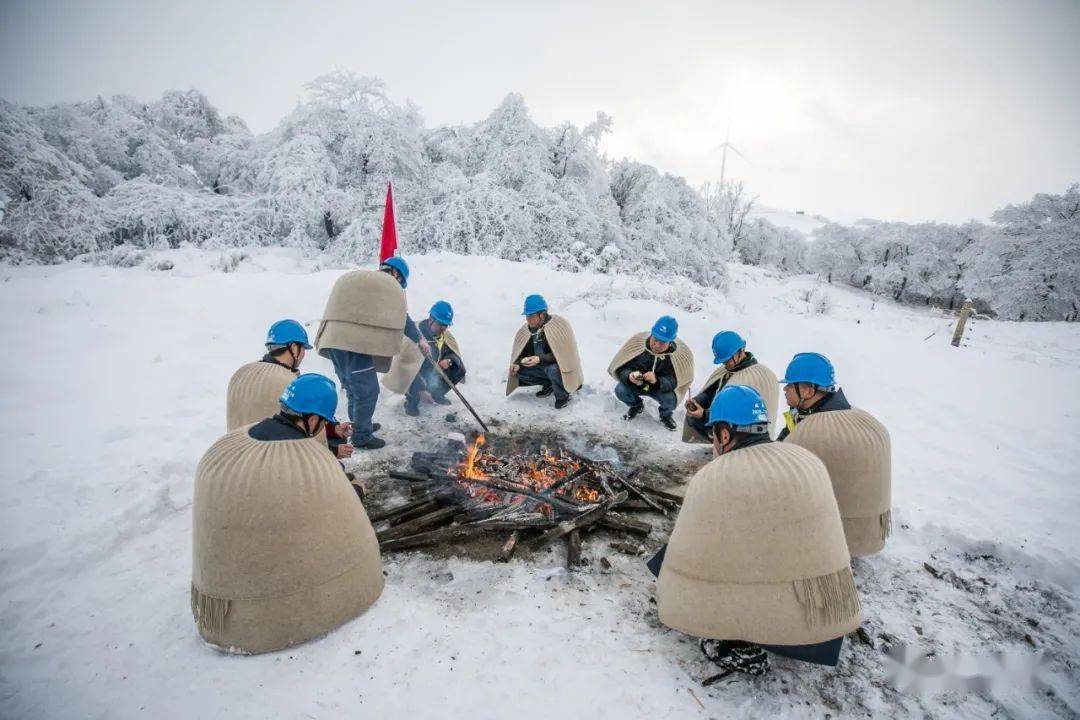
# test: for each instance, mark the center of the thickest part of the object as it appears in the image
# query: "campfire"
(532, 497)
(546, 479)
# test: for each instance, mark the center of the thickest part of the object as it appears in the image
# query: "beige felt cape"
(758, 552)
(255, 392)
(408, 362)
(856, 449)
(560, 338)
(756, 376)
(282, 549)
(365, 314)
(682, 360)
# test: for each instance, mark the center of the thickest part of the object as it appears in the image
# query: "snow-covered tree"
(668, 229)
(768, 245)
(1027, 266)
(729, 206)
(50, 211)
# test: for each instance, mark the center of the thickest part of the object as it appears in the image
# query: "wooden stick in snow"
(573, 549)
(965, 313)
(509, 546)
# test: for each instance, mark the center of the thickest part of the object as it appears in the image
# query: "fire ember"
(532, 497)
(556, 475)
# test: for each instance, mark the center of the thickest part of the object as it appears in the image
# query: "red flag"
(389, 229)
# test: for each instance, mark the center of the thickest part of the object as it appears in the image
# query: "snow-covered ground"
(114, 388)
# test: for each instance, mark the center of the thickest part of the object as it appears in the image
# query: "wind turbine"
(725, 146)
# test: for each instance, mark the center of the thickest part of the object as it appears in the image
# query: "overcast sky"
(905, 111)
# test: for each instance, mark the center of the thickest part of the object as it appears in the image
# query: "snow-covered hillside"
(805, 224)
(115, 385)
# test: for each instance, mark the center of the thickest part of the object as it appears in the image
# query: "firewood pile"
(528, 498)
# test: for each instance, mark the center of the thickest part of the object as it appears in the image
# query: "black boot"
(373, 443)
(562, 402)
(545, 391)
(633, 412)
(668, 422)
(412, 408)
(736, 656)
(375, 427)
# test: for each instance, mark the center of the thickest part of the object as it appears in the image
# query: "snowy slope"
(115, 388)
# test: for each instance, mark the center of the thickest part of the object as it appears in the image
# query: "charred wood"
(586, 518)
(509, 546)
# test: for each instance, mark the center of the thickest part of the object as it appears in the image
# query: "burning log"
(586, 518)
(567, 480)
(517, 489)
(560, 494)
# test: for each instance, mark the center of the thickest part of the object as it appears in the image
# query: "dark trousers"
(632, 394)
(428, 378)
(357, 375)
(543, 375)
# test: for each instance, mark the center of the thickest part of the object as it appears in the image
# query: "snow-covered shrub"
(122, 256)
(142, 213)
(819, 301)
(680, 294)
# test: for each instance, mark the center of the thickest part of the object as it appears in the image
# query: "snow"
(805, 224)
(115, 388)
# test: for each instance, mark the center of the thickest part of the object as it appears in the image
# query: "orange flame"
(586, 494)
(538, 474)
(471, 471)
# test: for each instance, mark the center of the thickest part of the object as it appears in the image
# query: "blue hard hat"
(739, 406)
(442, 313)
(812, 368)
(398, 263)
(284, 332)
(725, 344)
(665, 329)
(311, 394)
(535, 304)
